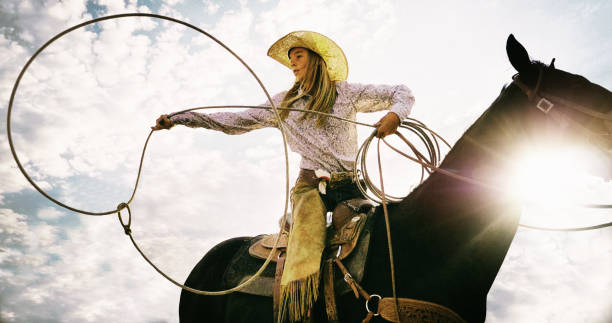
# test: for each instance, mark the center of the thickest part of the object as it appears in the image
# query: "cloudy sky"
(84, 108)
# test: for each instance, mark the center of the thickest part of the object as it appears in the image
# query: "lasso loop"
(121, 206)
(126, 227)
(99, 19)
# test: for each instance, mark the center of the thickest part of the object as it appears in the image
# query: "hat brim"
(332, 54)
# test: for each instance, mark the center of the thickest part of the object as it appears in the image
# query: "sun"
(554, 182)
(544, 175)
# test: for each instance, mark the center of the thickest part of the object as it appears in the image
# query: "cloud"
(83, 110)
(13, 226)
(38, 22)
(211, 7)
(49, 213)
(543, 272)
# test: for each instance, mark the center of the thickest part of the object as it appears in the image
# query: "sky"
(85, 105)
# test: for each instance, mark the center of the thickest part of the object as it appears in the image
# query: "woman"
(327, 145)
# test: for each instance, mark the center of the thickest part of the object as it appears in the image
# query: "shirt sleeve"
(232, 123)
(370, 98)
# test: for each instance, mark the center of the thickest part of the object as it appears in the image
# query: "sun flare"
(552, 175)
(553, 183)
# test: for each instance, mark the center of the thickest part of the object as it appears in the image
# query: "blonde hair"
(315, 83)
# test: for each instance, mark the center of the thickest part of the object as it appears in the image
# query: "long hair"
(321, 91)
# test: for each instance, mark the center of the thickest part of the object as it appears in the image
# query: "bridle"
(553, 105)
(557, 108)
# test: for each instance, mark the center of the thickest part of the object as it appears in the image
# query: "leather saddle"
(350, 242)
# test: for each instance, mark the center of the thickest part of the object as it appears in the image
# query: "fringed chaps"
(300, 282)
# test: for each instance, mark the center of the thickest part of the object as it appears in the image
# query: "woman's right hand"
(163, 122)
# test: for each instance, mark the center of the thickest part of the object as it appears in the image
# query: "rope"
(388, 228)
(593, 227)
(427, 136)
(122, 206)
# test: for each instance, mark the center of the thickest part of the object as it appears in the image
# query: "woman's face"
(299, 61)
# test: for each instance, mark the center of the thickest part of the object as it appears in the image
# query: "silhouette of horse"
(450, 236)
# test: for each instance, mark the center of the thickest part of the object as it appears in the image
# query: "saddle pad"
(268, 240)
(347, 237)
(243, 265)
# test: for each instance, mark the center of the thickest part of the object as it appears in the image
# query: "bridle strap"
(546, 106)
(544, 101)
(580, 108)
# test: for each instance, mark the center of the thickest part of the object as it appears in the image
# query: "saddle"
(349, 242)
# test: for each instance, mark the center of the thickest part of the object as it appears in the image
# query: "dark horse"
(450, 237)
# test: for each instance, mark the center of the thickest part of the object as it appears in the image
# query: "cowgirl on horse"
(327, 146)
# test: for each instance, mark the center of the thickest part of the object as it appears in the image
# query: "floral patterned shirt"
(331, 147)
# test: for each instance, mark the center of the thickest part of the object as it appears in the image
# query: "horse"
(450, 236)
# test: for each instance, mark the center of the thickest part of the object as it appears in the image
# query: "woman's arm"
(232, 123)
(370, 98)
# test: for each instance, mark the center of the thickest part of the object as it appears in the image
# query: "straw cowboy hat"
(332, 54)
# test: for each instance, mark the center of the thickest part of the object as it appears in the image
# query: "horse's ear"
(517, 54)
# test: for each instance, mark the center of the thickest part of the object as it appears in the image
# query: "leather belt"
(335, 179)
(308, 176)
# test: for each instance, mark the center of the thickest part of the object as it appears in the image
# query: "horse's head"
(564, 105)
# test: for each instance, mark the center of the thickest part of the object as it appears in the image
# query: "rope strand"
(388, 228)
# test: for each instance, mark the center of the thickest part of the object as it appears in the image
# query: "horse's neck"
(482, 152)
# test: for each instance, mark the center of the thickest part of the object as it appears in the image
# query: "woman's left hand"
(163, 122)
(387, 125)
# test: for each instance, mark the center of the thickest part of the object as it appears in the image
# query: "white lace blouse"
(331, 147)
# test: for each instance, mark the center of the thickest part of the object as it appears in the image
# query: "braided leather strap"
(415, 311)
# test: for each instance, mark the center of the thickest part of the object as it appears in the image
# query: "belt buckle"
(323, 176)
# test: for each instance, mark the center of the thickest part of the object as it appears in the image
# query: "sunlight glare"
(554, 183)
(551, 175)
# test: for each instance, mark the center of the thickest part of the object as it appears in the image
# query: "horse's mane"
(506, 98)
(496, 121)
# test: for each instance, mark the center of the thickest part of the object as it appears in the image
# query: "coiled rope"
(427, 136)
